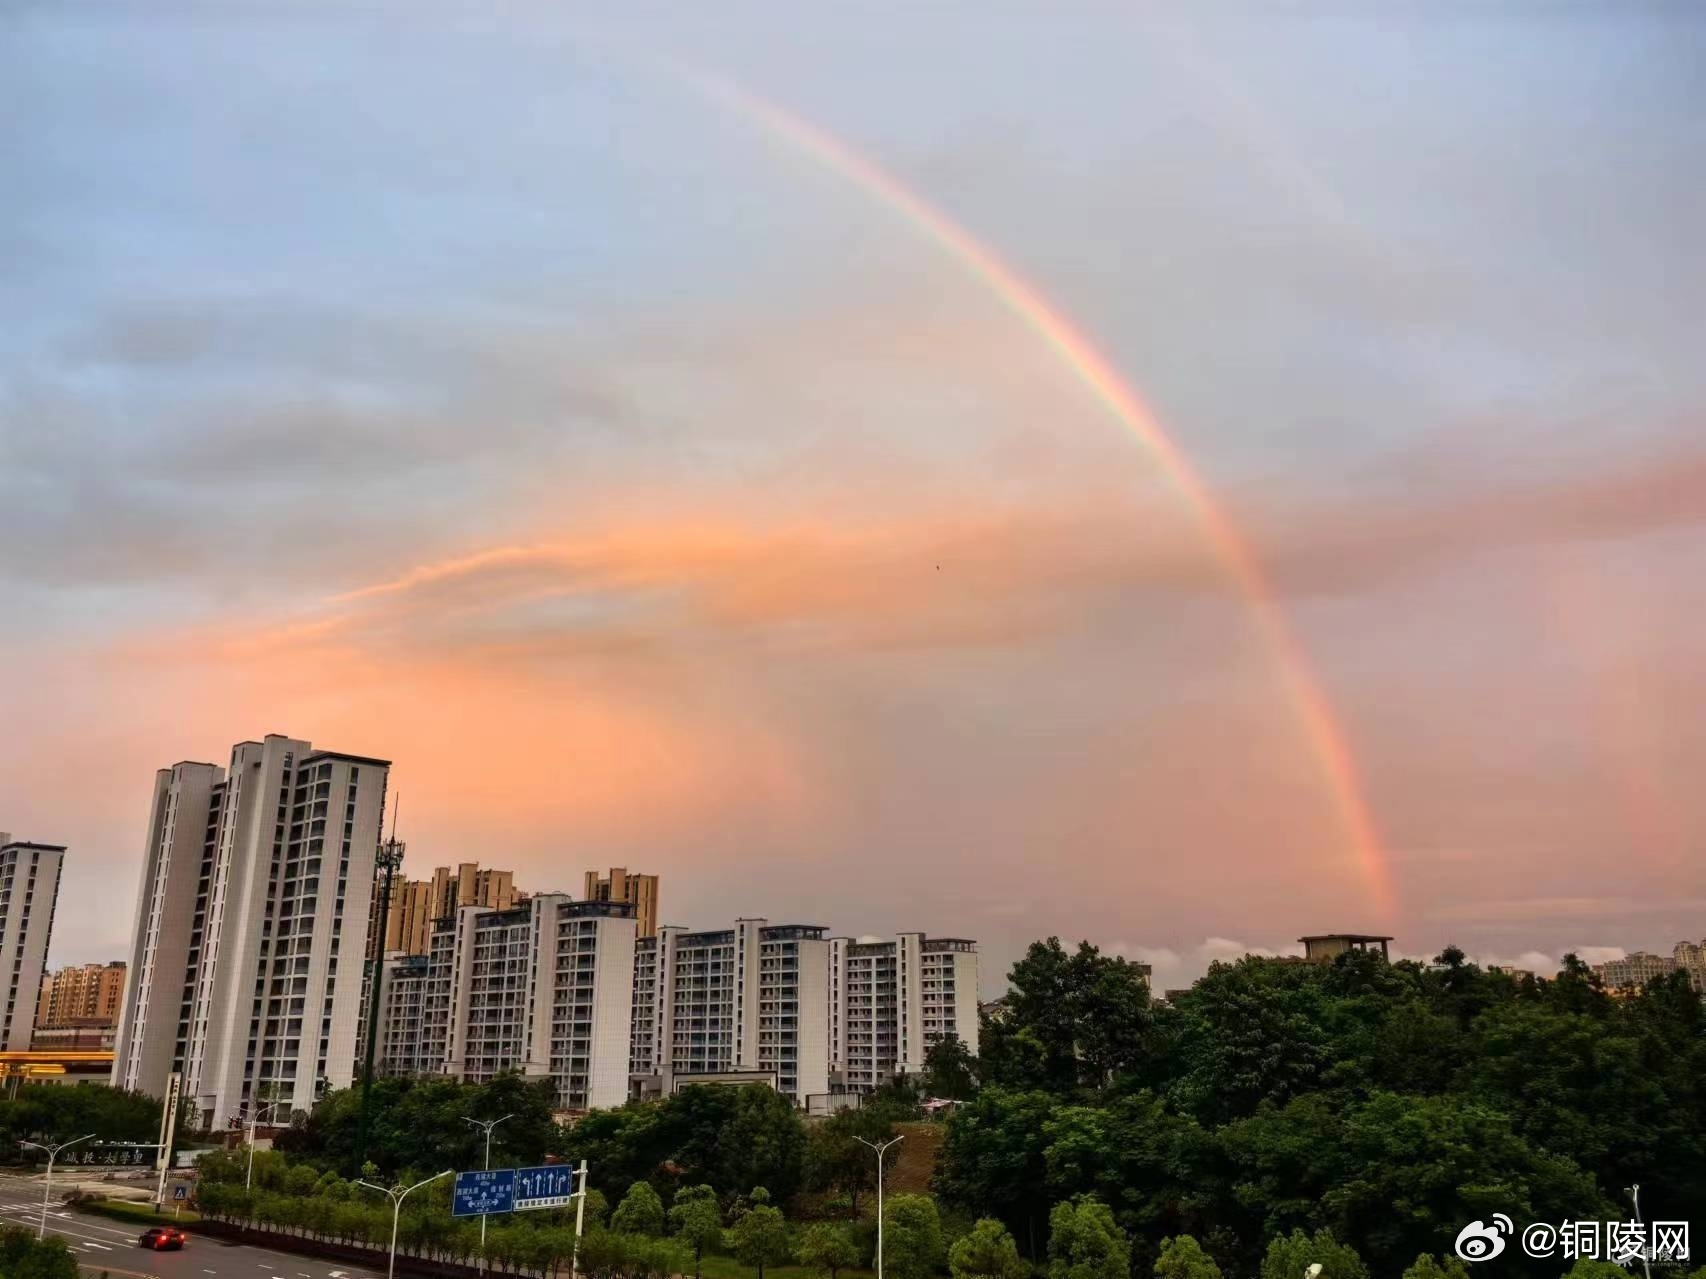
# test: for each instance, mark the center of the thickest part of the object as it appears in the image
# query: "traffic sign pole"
(580, 1220)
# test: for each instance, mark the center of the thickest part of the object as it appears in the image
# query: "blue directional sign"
(477, 1193)
(552, 1186)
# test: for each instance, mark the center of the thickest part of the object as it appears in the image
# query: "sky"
(653, 431)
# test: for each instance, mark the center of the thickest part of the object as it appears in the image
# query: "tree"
(1588, 1268)
(418, 1123)
(52, 1110)
(1290, 1255)
(640, 1212)
(1182, 1257)
(950, 1070)
(759, 1236)
(988, 1252)
(994, 1158)
(22, 1256)
(696, 1221)
(912, 1236)
(1424, 1266)
(1086, 1243)
(1075, 1020)
(826, 1249)
(726, 1137)
(835, 1159)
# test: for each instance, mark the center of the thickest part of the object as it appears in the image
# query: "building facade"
(544, 988)
(639, 891)
(891, 999)
(1635, 970)
(252, 926)
(84, 997)
(753, 998)
(29, 892)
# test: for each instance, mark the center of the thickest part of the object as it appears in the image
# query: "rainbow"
(1315, 713)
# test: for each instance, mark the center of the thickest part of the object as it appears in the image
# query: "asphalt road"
(104, 1244)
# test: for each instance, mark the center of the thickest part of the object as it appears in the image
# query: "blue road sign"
(180, 1192)
(478, 1193)
(552, 1186)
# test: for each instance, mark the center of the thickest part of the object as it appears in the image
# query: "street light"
(1635, 1198)
(249, 1177)
(488, 1125)
(47, 1190)
(397, 1195)
(879, 1149)
(1313, 1270)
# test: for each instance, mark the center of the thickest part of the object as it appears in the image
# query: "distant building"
(29, 891)
(418, 904)
(1690, 957)
(246, 970)
(1323, 948)
(544, 988)
(753, 998)
(1635, 970)
(891, 999)
(639, 891)
(1517, 974)
(86, 997)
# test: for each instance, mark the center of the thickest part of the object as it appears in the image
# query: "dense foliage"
(57, 1112)
(421, 1123)
(1358, 1112)
(22, 1256)
(728, 1138)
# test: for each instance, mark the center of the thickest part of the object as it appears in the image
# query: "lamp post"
(879, 1149)
(488, 1125)
(397, 1194)
(254, 1108)
(1635, 1198)
(47, 1190)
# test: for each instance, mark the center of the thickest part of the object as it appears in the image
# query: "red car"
(162, 1238)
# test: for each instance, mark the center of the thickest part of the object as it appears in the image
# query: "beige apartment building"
(639, 891)
(418, 904)
(84, 997)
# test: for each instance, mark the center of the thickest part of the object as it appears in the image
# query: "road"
(104, 1244)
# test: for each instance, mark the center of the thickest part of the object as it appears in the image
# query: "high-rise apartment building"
(251, 927)
(639, 891)
(544, 988)
(753, 998)
(891, 999)
(84, 997)
(1634, 970)
(418, 904)
(29, 891)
